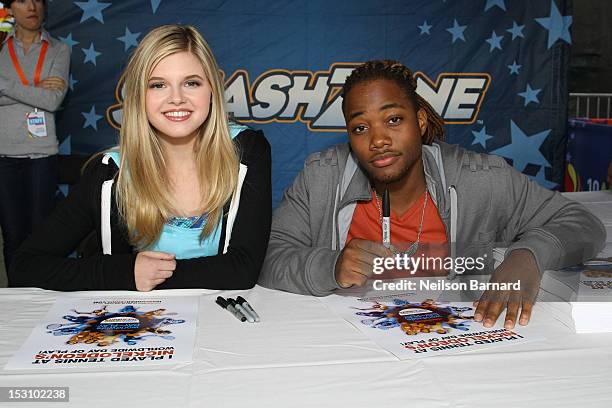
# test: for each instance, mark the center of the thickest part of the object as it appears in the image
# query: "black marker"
(225, 305)
(242, 301)
(241, 309)
(386, 219)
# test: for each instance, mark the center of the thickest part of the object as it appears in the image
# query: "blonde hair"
(143, 196)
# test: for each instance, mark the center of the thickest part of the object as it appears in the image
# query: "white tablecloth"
(600, 204)
(301, 355)
(304, 356)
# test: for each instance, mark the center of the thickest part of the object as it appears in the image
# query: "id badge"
(37, 125)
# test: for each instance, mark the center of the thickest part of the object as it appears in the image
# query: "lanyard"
(39, 64)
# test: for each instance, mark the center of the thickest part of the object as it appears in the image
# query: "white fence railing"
(591, 105)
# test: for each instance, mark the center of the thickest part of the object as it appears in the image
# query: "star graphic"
(90, 54)
(425, 28)
(541, 179)
(72, 82)
(481, 137)
(92, 9)
(64, 189)
(557, 25)
(516, 30)
(514, 68)
(523, 149)
(91, 119)
(495, 41)
(129, 39)
(155, 5)
(530, 95)
(492, 3)
(457, 31)
(69, 41)
(64, 147)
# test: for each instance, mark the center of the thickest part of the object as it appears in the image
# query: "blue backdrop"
(495, 69)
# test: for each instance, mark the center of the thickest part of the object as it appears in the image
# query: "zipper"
(336, 229)
(453, 228)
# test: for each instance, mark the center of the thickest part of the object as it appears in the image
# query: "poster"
(495, 70)
(111, 332)
(595, 279)
(590, 281)
(415, 326)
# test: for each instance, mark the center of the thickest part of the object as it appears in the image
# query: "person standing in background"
(33, 77)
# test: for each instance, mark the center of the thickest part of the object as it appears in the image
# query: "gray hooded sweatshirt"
(483, 202)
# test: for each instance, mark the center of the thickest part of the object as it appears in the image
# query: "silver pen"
(386, 220)
(250, 318)
(242, 302)
(227, 306)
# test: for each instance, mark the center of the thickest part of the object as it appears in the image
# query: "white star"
(90, 54)
(91, 118)
(92, 9)
(129, 39)
(457, 31)
(425, 28)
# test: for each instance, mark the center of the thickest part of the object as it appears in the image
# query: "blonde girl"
(183, 201)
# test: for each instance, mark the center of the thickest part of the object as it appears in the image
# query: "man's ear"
(422, 119)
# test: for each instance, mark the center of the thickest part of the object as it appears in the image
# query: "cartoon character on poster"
(414, 318)
(103, 327)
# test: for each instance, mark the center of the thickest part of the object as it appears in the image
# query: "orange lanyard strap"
(39, 64)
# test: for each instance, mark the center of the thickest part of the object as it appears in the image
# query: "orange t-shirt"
(366, 224)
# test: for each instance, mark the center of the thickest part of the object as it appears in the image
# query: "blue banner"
(589, 151)
(494, 69)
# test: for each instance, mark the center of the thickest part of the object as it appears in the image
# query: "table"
(301, 355)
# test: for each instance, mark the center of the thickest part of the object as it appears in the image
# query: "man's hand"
(152, 268)
(356, 262)
(52, 83)
(521, 266)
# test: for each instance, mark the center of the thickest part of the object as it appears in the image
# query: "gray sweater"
(17, 100)
(483, 202)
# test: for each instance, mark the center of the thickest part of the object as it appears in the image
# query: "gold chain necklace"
(415, 245)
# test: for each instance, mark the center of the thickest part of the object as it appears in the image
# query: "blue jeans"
(27, 196)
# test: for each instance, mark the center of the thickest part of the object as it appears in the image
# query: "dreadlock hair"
(402, 76)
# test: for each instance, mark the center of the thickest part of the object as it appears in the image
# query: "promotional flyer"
(415, 326)
(111, 332)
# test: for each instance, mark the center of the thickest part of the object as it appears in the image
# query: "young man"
(326, 231)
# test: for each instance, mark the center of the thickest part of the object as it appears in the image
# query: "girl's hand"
(152, 268)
